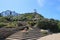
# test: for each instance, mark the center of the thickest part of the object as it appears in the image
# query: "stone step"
(26, 35)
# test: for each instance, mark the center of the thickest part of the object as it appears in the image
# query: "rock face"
(5, 32)
(29, 35)
(8, 12)
(51, 37)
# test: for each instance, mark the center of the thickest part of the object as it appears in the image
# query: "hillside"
(28, 19)
(13, 22)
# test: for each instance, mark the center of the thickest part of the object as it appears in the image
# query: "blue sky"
(48, 8)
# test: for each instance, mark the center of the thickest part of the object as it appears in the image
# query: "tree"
(0, 15)
(48, 24)
(59, 25)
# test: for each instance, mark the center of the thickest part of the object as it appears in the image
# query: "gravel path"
(51, 37)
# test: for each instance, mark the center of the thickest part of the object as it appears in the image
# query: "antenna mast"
(35, 11)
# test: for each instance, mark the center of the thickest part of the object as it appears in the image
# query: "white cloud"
(41, 3)
(44, 3)
(54, 4)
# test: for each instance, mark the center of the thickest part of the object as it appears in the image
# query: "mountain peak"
(9, 12)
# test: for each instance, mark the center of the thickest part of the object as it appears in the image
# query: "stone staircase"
(31, 34)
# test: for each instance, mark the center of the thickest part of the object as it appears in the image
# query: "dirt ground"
(51, 37)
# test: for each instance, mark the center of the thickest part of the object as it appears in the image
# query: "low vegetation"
(30, 20)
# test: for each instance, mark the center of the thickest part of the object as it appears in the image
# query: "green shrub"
(2, 19)
(11, 25)
(2, 24)
(44, 33)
